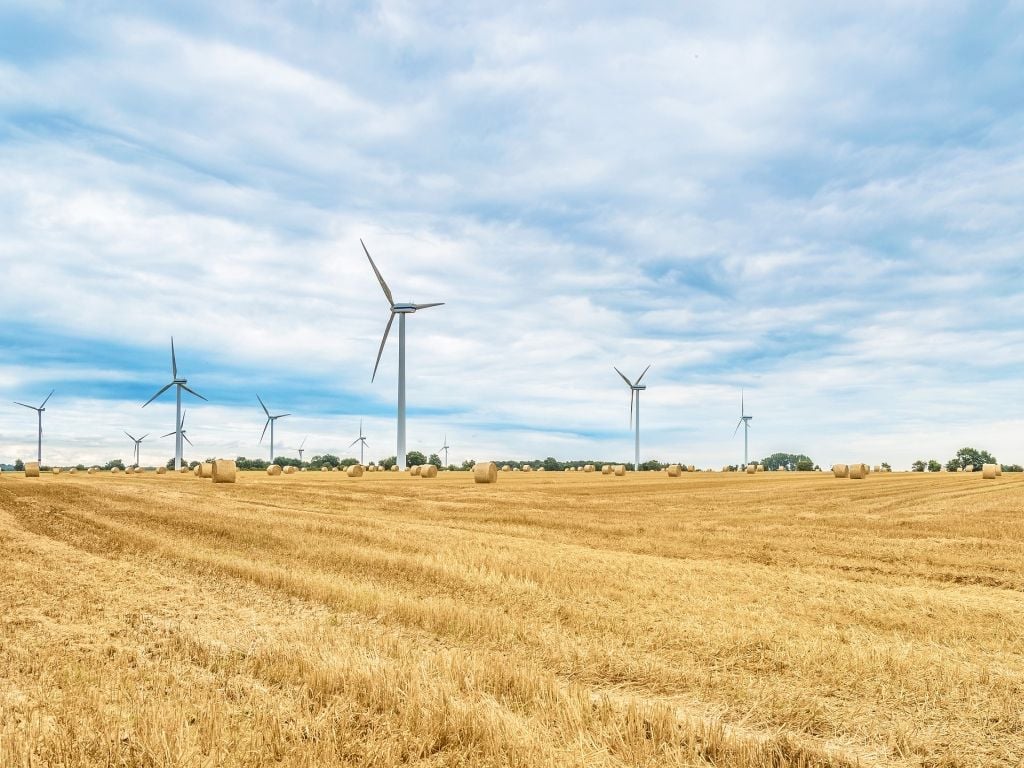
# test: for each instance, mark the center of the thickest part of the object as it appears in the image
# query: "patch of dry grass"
(575, 619)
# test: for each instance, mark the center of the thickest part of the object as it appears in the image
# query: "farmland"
(550, 620)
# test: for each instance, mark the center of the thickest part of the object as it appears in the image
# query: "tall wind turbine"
(362, 442)
(745, 422)
(138, 442)
(634, 395)
(401, 310)
(180, 434)
(179, 419)
(39, 413)
(270, 423)
(301, 447)
(445, 448)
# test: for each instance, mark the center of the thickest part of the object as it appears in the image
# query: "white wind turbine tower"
(179, 418)
(401, 310)
(301, 447)
(635, 389)
(362, 442)
(270, 423)
(138, 442)
(634, 395)
(39, 434)
(445, 448)
(745, 422)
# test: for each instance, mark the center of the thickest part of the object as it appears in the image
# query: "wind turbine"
(270, 423)
(182, 435)
(300, 449)
(179, 418)
(138, 442)
(401, 310)
(634, 395)
(745, 422)
(362, 442)
(445, 448)
(39, 412)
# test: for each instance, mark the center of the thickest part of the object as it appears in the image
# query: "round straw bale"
(223, 470)
(999, 470)
(606, 469)
(197, 470)
(540, 469)
(876, 468)
(115, 470)
(506, 468)
(129, 470)
(760, 467)
(988, 471)
(674, 470)
(140, 471)
(161, 470)
(588, 467)
(527, 468)
(969, 468)
(55, 470)
(206, 470)
(751, 469)
(415, 471)
(620, 470)
(394, 468)
(290, 470)
(840, 470)
(354, 471)
(485, 472)
(325, 469)
(274, 470)
(858, 471)
(73, 471)
(428, 470)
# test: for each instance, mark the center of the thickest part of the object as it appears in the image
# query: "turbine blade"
(129, 436)
(282, 415)
(144, 437)
(428, 306)
(383, 341)
(380, 278)
(632, 396)
(643, 374)
(263, 404)
(174, 361)
(26, 406)
(154, 397)
(185, 438)
(353, 443)
(193, 392)
(303, 445)
(628, 382)
(47, 399)
(743, 409)
(170, 433)
(737, 427)
(182, 425)
(267, 424)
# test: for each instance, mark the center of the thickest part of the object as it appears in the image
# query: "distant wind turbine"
(362, 442)
(270, 423)
(634, 395)
(179, 418)
(39, 434)
(401, 310)
(138, 442)
(745, 423)
(445, 448)
(181, 434)
(300, 449)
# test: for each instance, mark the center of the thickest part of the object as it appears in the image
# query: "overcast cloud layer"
(820, 205)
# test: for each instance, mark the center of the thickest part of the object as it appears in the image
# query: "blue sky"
(817, 202)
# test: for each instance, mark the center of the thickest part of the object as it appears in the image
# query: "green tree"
(787, 460)
(113, 463)
(435, 460)
(19, 465)
(805, 465)
(971, 456)
(551, 464)
(652, 464)
(1012, 468)
(415, 459)
(886, 466)
(918, 466)
(934, 466)
(388, 463)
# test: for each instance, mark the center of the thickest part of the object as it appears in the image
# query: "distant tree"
(934, 466)
(281, 461)
(918, 466)
(19, 465)
(1012, 468)
(972, 456)
(551, 464)
(787, 460)
(388, 463)
(805, 465)
(327, 460)
(80, 467)
(113, 463)
(415, 459)
(435, 460)
(886, 466)
(652, 464)
(467, 465)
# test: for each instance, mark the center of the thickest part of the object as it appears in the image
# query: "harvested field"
(549, 619)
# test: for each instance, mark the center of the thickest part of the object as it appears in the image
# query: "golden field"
(548, 620)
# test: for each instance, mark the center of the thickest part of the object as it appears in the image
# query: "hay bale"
(140, 471)
(428, 470)
(325, 469)
(55, 470)
(840, 470)
(415, 471)
(394, 468)
(161, 470)
(674, 470)
(205, 470)
(302, 469)
(197, 470)
(751, 469)
(606, 469)
(223, 470)
(73, 471)
(527, 468)
(115, 470)
(540, 469)
(588, 467)
(859, 471)
(989, 471)
(506, 468)
(274, 470)
(760, 467)
(969, 468)
(876, 468)
(354, 471)
(999, 470)
(184, 470)
(129, 470)
(485, 472)
(620, 470)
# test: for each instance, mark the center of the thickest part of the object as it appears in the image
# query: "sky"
(816, 203)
